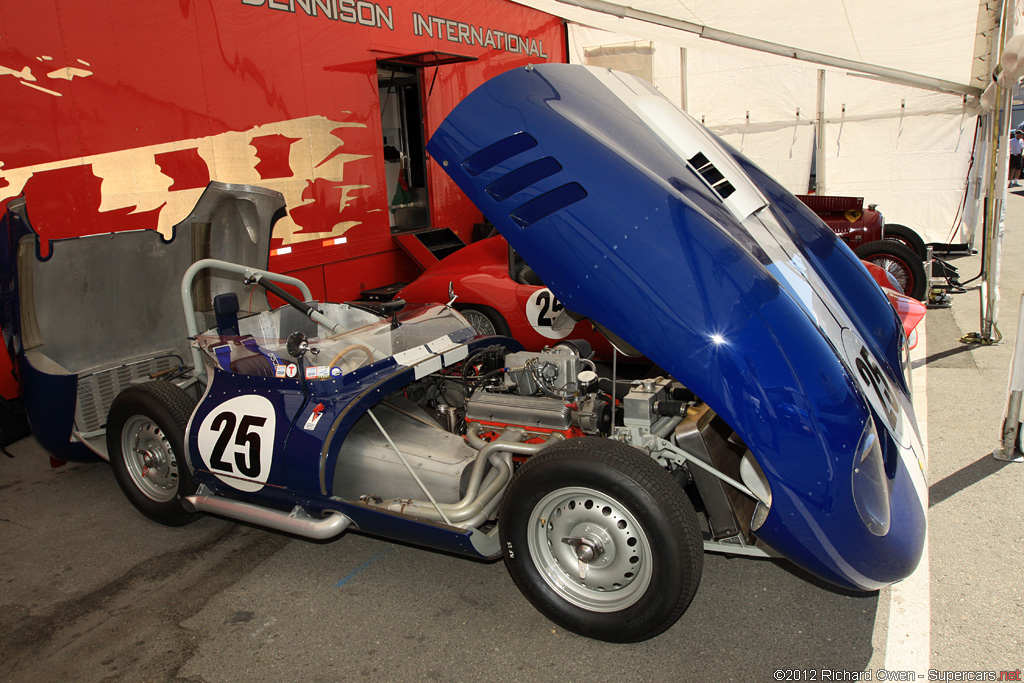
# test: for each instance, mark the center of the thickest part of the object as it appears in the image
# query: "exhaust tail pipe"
(296, 522)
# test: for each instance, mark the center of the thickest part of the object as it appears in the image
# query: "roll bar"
(250, 276)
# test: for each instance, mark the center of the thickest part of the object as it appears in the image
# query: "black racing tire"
(146, 444)
(485, 320)
(592, 495)
(902, 263)
(908, 236)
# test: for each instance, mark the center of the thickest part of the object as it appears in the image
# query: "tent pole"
(997, 190)
(819, 147)
(682, 78)
(976, 184)
(891, 75)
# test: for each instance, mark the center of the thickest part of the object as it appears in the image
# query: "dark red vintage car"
(894, 247)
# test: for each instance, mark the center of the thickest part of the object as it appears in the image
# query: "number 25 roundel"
(541, 310)
(236, 442)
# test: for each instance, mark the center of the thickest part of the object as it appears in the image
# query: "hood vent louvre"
(522, 178)
(500, 151)
(547, 204)
(712, 175)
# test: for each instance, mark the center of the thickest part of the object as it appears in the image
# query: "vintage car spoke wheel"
(146, 443)
(601, 540)
(901, 262)
(485, 320)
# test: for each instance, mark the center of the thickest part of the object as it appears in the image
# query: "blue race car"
(781, 406)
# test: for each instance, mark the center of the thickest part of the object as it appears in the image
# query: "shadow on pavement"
(964, 478)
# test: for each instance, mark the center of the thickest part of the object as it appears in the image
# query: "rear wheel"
(902, 263)
(485, 320)
(146, 443)
(601, 540)
(908, 236)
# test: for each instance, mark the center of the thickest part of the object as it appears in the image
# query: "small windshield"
(365, 339)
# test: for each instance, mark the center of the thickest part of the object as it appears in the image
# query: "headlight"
(905, 366)
(870, 489)
(754, 479)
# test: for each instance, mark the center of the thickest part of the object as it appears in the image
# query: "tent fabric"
(906, 149)
(937, 40)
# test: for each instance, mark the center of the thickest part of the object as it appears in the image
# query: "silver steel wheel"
(590, 549)
(480, 322)
(149, 459)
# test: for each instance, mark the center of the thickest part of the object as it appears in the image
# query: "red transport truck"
(117, 115)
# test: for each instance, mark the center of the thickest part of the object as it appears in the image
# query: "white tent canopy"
(934, 40)
(773, 78)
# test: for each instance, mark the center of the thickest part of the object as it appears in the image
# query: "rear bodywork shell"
(102, 311)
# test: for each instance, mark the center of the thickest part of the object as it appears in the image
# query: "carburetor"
(552, 372)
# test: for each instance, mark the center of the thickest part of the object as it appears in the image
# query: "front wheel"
(901, 262)
(601, 540)
(146, 443)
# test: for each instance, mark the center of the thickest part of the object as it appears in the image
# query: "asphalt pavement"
(90, 590)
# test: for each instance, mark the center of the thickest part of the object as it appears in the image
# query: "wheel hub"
(150, 459)
(153, 468)
(587, 550)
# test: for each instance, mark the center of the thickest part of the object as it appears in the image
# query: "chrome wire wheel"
(898, 269)
(149, 459)
(480, 322)
(590, 549)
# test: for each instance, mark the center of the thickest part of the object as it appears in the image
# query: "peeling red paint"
(65, 202)
(337, 150)
(185, 167)
(273, 151)
(325, 200)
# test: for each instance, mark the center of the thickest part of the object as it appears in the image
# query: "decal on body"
(236, 442)
(541, 310)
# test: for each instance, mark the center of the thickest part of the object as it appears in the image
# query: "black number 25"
(550, 307)
(248, 459)
(873, 376)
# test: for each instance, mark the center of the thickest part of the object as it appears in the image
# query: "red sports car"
(499, 294)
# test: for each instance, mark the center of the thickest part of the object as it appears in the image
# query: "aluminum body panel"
(367, 464)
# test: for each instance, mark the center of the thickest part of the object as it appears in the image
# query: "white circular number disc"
(541, 310)
(236, 442)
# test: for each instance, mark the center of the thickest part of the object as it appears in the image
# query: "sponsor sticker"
(314, 417)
